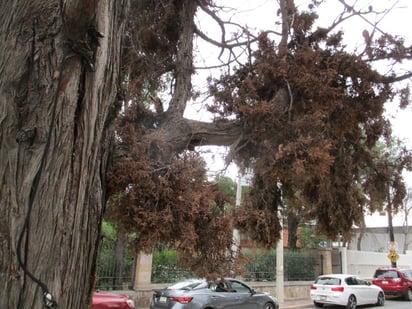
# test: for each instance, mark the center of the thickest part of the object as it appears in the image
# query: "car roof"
(197, 281)
(393, 268)
(340, 276)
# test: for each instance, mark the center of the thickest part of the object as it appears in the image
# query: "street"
(389, 304)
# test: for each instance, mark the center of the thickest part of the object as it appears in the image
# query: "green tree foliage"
(227, 185)
(165, 267)
(309, 239)
(299, 265)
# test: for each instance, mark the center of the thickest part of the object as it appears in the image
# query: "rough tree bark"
(57, 89)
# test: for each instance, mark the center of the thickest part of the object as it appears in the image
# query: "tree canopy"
(93, 96)
(299, 108)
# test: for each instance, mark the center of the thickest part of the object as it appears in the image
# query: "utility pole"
(392, 244)
(236, 234)
(390, 230)
(280, 285)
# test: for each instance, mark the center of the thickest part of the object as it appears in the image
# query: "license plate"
(322, 298)
(162, 299)
(384, 282)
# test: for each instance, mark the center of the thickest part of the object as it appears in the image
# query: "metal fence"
(115, 266)
(117, 273)
(298, 266)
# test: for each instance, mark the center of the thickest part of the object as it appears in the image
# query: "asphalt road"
(389, 304)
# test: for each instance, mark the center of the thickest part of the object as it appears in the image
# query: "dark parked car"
(200, 294)
(105, 300)
(394, 281)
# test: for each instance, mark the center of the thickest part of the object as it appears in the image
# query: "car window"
(381, 273)
(327, 281)
(351, 281)
(186, 285)
(239, 287)
(221, 286)
(362, 282)
(407, 273)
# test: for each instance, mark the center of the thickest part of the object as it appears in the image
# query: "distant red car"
(105, 300)
(394, 281)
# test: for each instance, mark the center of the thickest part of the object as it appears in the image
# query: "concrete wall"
(376, 239)
(364, 263)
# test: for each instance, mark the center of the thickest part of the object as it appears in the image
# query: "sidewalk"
(291, 303)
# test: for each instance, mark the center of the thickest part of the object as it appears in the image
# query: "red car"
(394, 281)
(105, 300)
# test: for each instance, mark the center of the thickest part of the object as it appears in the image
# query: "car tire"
(269, 306)
(408, 295)
(351, 302)
(381, 299)
(319, 305)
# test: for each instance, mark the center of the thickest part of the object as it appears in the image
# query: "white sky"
(261, 14)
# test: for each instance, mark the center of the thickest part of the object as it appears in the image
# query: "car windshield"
(328, 281)
(382, 273)
(407, 273)
(186, 285)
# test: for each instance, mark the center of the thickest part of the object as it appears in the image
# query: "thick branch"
(187, 134)
(287, 10)
(394, 79)
(184, 59)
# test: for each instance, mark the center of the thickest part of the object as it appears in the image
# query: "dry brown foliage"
(305, 116)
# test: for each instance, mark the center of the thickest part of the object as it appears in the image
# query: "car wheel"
(319, 305)
(269, 306)
(381, 299)
(351, 302)
(408, 295)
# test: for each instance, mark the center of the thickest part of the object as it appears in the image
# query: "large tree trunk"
(54, 136)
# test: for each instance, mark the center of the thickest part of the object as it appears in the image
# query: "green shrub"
(165, 267)
(297, 266)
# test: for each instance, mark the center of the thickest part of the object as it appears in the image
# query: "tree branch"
(184, 59)
(188, 134)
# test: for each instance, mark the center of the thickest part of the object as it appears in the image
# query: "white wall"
(364, 263)
(376, 239)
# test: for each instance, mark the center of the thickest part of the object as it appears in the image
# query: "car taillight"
(338, 289)
(313, 287)
(182, 300)
(130, 303)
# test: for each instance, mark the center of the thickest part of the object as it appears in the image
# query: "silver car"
(200, 294)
